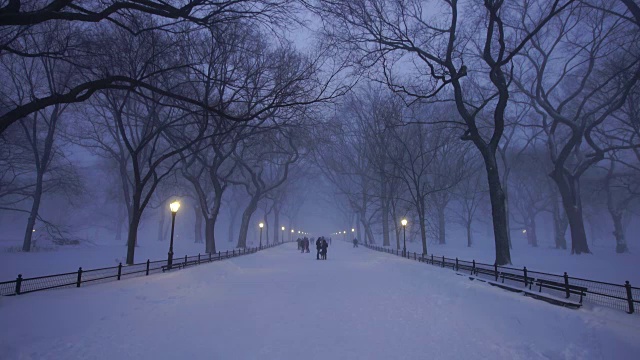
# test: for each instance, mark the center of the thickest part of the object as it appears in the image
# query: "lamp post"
(282, 237)
(261, 225)
(404, 235)
(174, 206)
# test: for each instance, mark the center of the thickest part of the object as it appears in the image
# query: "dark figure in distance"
(355, 242)
(323, 250)
(306, 245)
(318, 247)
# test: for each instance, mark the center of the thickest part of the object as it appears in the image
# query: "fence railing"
(82, 277)
(620, 297)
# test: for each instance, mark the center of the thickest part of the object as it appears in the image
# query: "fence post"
(19, 284)
(79, 281)
(566, 285)
(495, 270)
(219, 254)
(526, 280)
(119, 270)
(415, 255)
(457, 268)
(148, 262)
(185, 261)
(442, 260)
(227, 255)
(431, 259)
(209, 257)
(233, 252)
(473, 268)
(629, 296)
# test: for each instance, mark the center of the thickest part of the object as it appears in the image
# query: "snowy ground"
(280, 304)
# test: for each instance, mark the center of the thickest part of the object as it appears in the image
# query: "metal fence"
(622, 297)
(82, 277)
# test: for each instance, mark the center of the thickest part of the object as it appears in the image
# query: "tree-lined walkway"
(281, 304)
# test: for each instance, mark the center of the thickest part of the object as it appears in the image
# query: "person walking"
(323, 251)
(318, 247)
(306, 245)
(355, 242)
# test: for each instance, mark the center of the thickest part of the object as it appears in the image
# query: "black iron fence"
(82, 277)
(622, 297)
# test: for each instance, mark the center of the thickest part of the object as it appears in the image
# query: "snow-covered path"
(280, 304)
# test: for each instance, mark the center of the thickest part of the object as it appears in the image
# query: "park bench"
(519, 278)
(490, 272)
(554, 285)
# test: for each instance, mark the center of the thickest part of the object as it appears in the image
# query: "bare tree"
(575, 95)
(19, 19)
(265, 162)
(32, 77)
(430, 36)
(469, 194)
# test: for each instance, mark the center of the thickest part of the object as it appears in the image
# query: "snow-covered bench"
(554, 285)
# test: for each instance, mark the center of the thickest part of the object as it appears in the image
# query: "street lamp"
(404, 240)
(261, 226)
(174, 206)
(282, 237)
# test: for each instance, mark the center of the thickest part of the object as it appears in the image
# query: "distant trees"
(471, 58)
(206, 98)
(577, 75)
(37, 165)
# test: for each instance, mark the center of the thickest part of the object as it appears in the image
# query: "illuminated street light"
(174, 206)
(404, 241)
(261, 225)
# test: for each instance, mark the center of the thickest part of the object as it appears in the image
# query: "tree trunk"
(469, 242)
(618, 232)
(385, 213)
(358, 229)
(369, 234)
(209, 233)
(276, 223)
(498, 210)
(569, 188)
(532, 237)
(198, 224)
(132, 237)
(33, 214)
(385, 225)
(244, 225)
(560, 223)
(441, 226)
(423, 229)
(506, 210)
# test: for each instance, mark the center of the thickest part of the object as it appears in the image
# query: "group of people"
(321, 246)
(303, 244)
